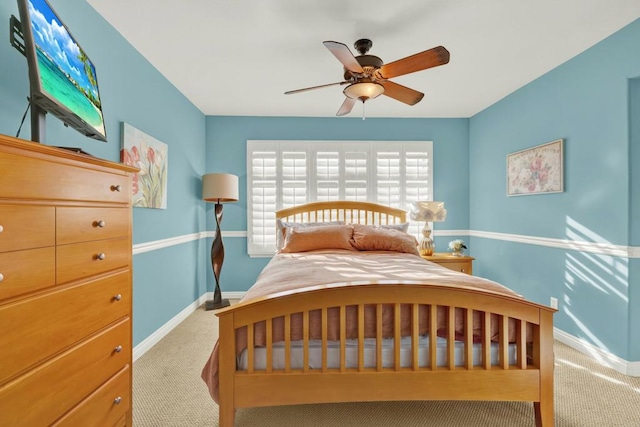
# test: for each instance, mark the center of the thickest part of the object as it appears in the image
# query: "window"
(281, 174)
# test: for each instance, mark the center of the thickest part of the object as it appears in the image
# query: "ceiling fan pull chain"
(362, 110)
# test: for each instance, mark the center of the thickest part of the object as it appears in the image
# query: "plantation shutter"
(262, 193)
(356, 172)
(282, 174)
(417, 173)
(327, 171)
(388, 178)
(293, 180)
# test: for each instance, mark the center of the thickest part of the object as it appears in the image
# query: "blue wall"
(132, 91)
(589, 101)
(227, 152)
(634, 212)
(585, 101)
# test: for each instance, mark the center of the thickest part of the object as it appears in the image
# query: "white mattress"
(333, 354)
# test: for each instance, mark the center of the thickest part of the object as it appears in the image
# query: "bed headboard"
(348, 211)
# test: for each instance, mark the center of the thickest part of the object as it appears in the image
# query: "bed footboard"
(442, 343)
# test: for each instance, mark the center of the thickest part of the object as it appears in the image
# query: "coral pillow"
(283, 226)
(368, 238)
(303, 239)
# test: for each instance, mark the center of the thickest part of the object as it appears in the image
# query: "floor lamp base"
(212, 305)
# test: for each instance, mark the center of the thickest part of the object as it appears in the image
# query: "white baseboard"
(603, 357)
(160, 333)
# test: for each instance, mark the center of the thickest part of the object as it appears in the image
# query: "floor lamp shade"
(219, 188)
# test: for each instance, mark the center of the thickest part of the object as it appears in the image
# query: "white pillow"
(403, 226)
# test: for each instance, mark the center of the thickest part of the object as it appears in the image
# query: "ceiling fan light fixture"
(363, 90)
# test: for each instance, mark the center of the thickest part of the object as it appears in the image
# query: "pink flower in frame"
(149, 155)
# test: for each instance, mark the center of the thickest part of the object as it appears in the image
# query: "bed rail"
(341, 312)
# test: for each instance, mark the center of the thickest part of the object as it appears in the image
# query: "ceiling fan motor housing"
(370, 61)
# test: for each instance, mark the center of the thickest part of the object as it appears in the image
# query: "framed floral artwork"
(536, 170)
(149, 186)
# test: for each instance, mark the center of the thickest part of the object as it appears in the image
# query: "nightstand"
(456, 263)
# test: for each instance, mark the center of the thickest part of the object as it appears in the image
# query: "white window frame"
(311, 148)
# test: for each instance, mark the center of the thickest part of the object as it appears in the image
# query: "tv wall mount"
(15, 35)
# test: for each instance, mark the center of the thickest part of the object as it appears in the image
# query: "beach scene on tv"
(66, 73)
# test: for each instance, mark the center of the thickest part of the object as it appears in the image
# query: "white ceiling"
(238, 57)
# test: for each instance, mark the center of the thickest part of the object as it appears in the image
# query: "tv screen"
(62, 78)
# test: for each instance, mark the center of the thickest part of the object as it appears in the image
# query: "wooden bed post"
(543, 358)
(227, 369)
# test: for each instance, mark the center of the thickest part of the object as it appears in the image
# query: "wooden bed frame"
(529, 379)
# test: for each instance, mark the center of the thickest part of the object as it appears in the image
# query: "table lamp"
(427, 211)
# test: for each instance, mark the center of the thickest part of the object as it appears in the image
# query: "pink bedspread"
(298, 270)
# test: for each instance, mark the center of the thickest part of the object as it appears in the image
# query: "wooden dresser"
(65, 288)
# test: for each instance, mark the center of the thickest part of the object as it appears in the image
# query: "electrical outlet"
(554, 303)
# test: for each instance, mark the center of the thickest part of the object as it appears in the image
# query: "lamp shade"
(220, 187)
(364, 90)
(428, 211)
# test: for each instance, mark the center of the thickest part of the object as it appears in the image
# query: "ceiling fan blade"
(401, 93)
(315, 87)
(346, 106)
(418, 62)
(344, 55)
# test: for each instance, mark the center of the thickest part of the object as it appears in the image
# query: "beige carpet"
(168, 391)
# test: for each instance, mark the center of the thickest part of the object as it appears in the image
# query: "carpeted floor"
(168, 391)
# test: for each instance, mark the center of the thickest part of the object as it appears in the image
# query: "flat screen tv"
(62, 78)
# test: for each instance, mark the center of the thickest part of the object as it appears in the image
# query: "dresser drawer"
(122, 422)
(462, 266)
(22, 272)
(86, 259)
(49, 180)
(74, 225)
(66, 380)
(104, 407)
(40, 327)
(26, 227)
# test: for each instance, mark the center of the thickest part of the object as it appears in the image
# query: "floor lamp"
(219, 188)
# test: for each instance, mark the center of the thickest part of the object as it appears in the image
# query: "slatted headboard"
(348, 211)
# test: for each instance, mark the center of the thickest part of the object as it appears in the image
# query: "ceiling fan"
(368, 77)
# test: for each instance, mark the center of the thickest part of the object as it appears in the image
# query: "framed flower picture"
(536, 170)
(149, 186)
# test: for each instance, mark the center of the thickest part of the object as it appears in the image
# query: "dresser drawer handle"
(117, 297)
(117, 400)
(1, 229)
(116, 188)
(101, 256)
(99, 224)
(118, 349)
(1, 277)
